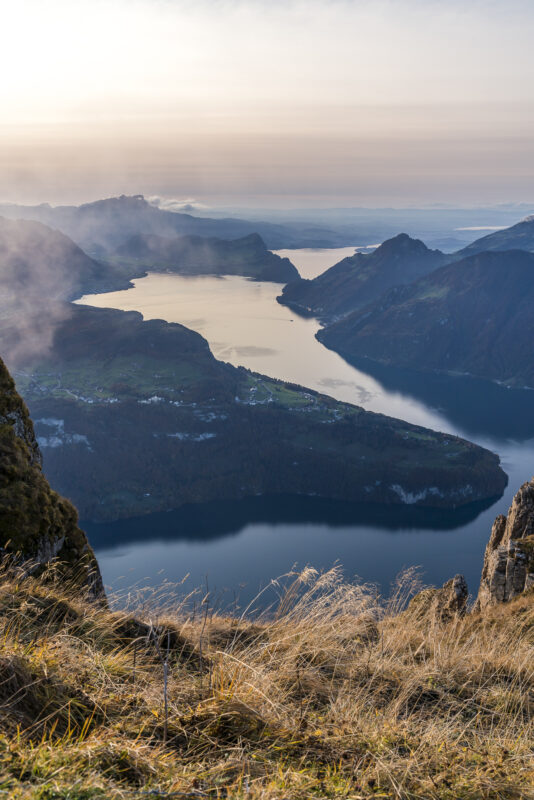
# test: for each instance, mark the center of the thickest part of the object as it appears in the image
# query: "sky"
(293, 104)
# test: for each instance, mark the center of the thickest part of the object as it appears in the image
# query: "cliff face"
(509, 559)
(35, 521)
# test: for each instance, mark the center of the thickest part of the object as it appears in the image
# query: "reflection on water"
(252, 541)
(246, 326)
(477, 408)
(241, 545)
(213, 520)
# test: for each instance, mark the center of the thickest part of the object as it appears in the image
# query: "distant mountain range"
(111, 394)
(39, 263)
(473, 316)
(100, 227)
(362, 278)
(406, 305)
(440, 226)
(400, 304)
(194, 255)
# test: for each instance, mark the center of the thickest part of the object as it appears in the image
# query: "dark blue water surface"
(238, 547)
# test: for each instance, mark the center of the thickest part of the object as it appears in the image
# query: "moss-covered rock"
(36, 523)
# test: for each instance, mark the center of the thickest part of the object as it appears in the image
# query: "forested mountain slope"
(473, 316)
(362, 278)
(137, 416)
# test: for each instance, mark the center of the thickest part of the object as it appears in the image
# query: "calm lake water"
(240, 546)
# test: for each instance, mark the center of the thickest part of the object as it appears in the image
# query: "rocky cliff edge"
(36, 524)
(508, 568)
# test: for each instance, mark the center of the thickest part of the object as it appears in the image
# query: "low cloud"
(27, 332)
(186, 204)
(39, 268)
(482, 228)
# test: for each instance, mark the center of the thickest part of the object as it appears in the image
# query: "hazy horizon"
(318, 104)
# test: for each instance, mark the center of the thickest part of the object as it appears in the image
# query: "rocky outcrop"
(509, 558)
(36, 524)
(443, 604)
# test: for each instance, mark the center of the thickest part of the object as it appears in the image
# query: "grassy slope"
(336, 695)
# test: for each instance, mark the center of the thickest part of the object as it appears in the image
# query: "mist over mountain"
(194, 255)
(39, 266)
(362, 278)
(473, 316)
(102, 226)
(207, 429)
(36, 258)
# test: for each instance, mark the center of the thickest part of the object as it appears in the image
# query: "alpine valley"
(138, 416)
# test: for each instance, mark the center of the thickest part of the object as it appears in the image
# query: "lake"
(240, 546)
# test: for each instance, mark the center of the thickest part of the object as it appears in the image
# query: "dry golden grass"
(336, 693)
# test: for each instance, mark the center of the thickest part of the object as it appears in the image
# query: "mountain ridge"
(359, 279)
(100, 226)
(484, 300)
(195, 255)
(517, 237)
(32, 252)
